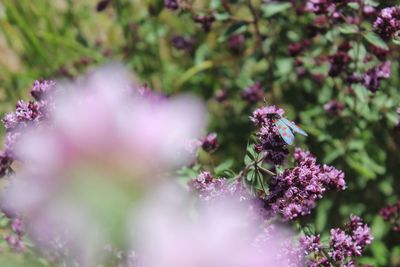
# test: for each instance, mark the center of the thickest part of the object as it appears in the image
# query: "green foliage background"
(43, 38)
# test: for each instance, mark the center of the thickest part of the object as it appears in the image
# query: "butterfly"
(286, 128)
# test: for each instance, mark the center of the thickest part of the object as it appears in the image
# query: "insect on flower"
(286, 128)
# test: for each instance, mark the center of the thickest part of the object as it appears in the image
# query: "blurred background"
(172, 53)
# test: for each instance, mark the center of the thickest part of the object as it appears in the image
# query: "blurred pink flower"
(100, 151)
(173, 232)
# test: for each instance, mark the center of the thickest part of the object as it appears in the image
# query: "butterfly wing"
(293, 126)
(284, 132)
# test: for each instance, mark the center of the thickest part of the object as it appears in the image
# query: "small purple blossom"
(311, 244)
(339, 63)
(391, 213)
(5, 163)
(341, 245)
(171, 4)
(102, 5)
(26, 113)
(319, 6)
(221, 95)
(18, 226)
(210, 142)
(388, 22)
(14, 242)
(374, 76)
(40, 89)
(269, 139)
(149, 94)
(15, 233)
(182, 43)
(295, 49)
(253, 93)
(205, 21)
(210, 188)
(334, 107)
(260, 115)
(379, 52)
(236, 43)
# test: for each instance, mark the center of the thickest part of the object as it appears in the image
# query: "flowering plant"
(197, 159)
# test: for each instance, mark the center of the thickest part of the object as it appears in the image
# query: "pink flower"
(171, 232)
(98, 153)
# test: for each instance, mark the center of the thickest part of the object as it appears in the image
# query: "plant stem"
(266, 171)
(260, 38)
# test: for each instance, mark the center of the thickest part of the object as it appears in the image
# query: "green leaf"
(380, 252)
(353, 5)
(251, 176)
(222, 16)
(374, 39)
(361, 93)
(238, 27)
(396, 41)
(270, 10)
(371, 3)
(379, 227)
(333, 154)
(361, 168)
(284, 66)
(247, 160)
(322, 210)
(235, 28)
(348, 28)
(193, 71)
(251, 152)
(226, 165)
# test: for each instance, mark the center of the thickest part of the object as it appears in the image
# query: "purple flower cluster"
(388, 22)
(205, 21)
(182, 43)
(14, 232)
(334, 107)
(374, 76)
(221, 95)
(210, 142)
(171, 4)
(391, 213)
(26, 114)
(236, 43)
(102, 5)
(295, 49)
(294, 192)
(339, 61)
(330, 8)
(41, 89)
(253, 93)
(14, 240)
(379, 52)
(149, 94)
(344, 247)
(319, 6)
(209, 188)
(269, 139)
